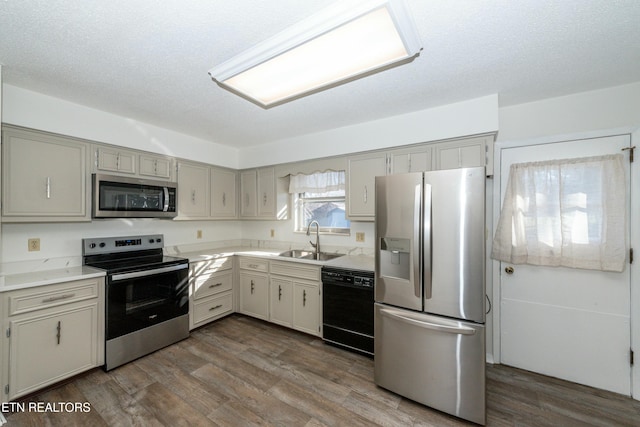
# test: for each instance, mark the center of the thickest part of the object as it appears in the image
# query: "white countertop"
(11, 282)
(354, 262)
(48, 277)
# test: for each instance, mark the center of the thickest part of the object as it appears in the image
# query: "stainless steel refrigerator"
(430, 289)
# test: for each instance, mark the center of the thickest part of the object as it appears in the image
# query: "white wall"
(34, 110)
(582, 112)
(471, 117)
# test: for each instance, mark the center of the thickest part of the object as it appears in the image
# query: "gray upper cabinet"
(193, 191)
(156, 166)
(44, 177)
(452, 154)
(116, 160)
(361, 173)
(262, 195)
(223, 194)
(464, 153)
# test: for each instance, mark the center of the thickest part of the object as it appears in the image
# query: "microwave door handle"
(165, 208)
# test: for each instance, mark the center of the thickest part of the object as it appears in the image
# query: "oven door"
(139, 299)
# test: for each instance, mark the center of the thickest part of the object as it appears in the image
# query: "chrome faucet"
(316, 246)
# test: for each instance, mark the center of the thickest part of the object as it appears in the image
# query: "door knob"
(509, 270)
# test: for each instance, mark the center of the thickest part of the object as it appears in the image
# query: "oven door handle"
(145, 273)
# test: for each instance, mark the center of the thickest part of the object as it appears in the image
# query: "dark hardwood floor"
(239, 371)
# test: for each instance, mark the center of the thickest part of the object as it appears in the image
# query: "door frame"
(493, 266)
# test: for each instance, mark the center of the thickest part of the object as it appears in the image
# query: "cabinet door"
(46, 349)
(460, 154)
(248, 191)
(254, 295)
(411, 160)
(306, 308)
(155, 167)
(43, 176)
(114, 160)
(223, 193)
(193, 190)
(267, 192)
(281, 301)
(361, 184)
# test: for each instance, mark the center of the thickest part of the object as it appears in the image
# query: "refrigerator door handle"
(401, 316)
(417, 255)
(426, 243)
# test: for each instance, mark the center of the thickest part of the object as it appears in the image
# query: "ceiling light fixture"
(346, 41)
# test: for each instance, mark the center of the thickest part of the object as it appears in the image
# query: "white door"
(567, 323)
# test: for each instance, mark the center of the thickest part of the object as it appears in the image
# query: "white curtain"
(319, 182)
(569, 213)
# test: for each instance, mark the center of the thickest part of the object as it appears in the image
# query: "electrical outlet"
(33, 244)
(199, 234)
(359, 236)
(273, 233)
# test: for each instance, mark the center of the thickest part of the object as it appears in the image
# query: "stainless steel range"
(147, 295)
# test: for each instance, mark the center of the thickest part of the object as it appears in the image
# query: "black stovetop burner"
(118, 254)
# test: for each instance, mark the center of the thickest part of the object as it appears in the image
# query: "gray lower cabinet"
(254, 287)
(211, 290)
(53, 332)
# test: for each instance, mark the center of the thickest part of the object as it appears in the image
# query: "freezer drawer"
(433, 360)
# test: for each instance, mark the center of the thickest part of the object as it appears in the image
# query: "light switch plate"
(359, 236)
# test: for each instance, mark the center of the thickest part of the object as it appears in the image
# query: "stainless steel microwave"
(125, 197)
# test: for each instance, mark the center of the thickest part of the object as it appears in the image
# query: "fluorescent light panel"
(346, 41)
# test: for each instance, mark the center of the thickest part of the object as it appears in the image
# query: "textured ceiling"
(148, 59)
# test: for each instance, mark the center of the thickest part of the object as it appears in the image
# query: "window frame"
(299, 208)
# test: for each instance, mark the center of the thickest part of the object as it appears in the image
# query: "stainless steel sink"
(322, 256)
(295, 253)
(302, 254)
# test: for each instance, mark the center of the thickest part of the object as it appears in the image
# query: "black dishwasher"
(347, 309)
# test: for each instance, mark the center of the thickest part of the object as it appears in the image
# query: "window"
(320, 197)
(567, 213)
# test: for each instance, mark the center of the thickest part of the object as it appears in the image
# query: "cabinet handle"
(252, 265)
(304, 297)
(59, 330)
(59, 297)
(48, 185)
(279, 292)
(193, 196)
(118, 161)
(252, 287)
(216, 307)
(213, 286)
(224, 199)
(365, 194)
(264, 199)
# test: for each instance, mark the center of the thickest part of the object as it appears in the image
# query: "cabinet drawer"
(211, 284)
(255, 264)
(27, 300)
(296, 269)
(208, 308)
(211, 266)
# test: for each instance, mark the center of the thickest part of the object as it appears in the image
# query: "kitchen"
(583, 112)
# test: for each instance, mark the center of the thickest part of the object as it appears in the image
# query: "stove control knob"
(92, 245)
(103, 244)
(150, 240)
(158, 240)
